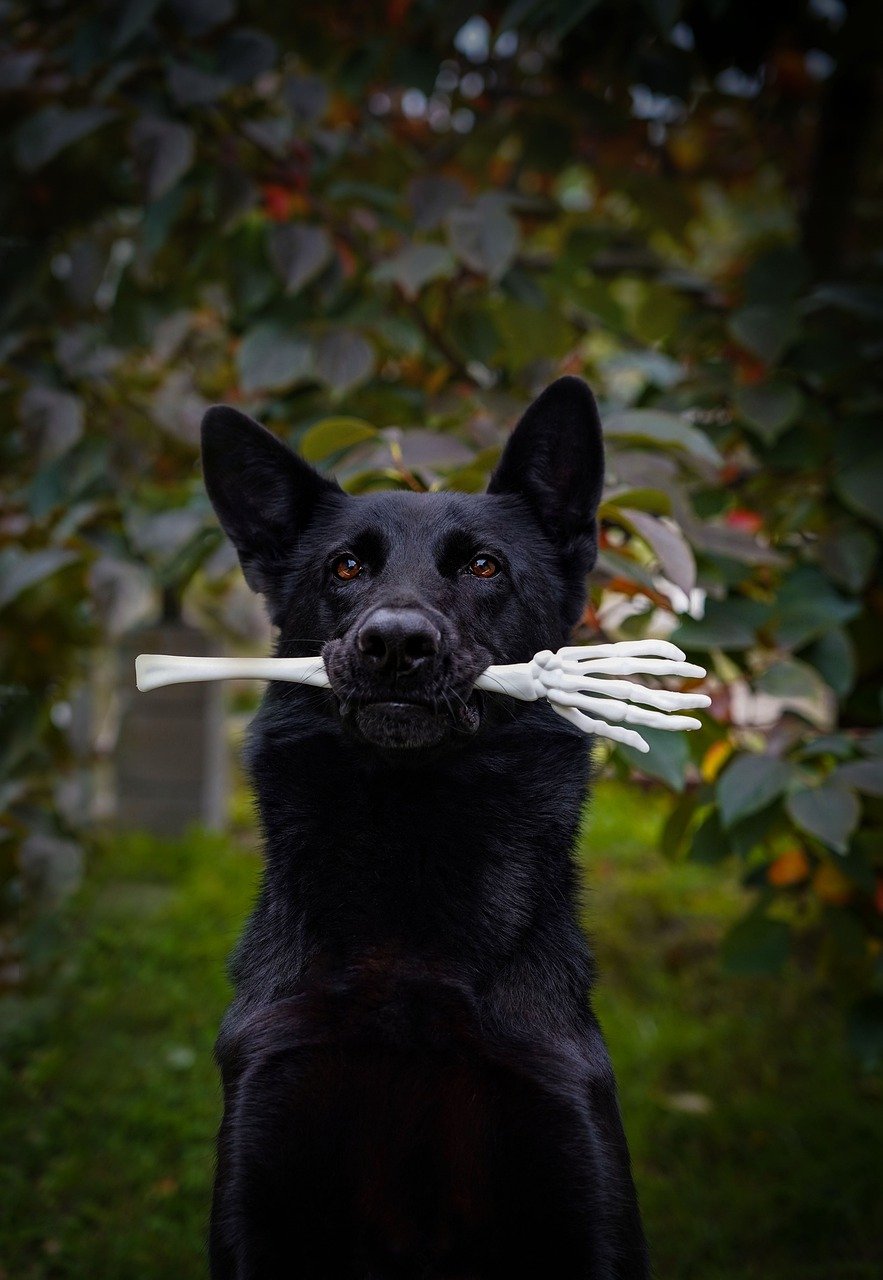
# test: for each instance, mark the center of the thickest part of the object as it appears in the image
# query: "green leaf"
(432, 197)
(777, 276)
(667, 758)
(179, 568)
(847, 554)
(53, 420)
(861, 487)
(272, 359)
(164, 151)
(756, 946)
(748, 784)
(23, 715)
(765, 330)
(245, 54)
(334, 435)
(828, 812)
(529, 333)
(299, 252)
(857, 299)
(617, 500)
(621, 566)
(134, 16)
(306, 97)
(20, 570)
(829, 744)
(43, 136)
(475, 334)
(484, 236)
(415, 267)
(667, 429)
(807, 606)
(769, 408)
(801, 688)
(866, 1032)
(833, 656)
(727, 624)
(710, 843)
(861, 775)
(669, 545)
(750, 833)
(189, 86)
(344, 359)
(677, 824)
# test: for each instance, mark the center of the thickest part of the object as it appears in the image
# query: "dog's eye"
(484, 567)
(346, 567)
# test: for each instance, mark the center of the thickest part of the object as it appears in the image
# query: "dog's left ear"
(555, 460)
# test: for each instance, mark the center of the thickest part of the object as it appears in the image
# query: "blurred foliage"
(382, 228)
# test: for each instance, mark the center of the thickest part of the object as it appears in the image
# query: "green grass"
(756, 1147)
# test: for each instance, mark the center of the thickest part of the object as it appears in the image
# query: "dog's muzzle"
(400, 680)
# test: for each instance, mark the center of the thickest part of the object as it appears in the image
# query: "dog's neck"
(455, 858)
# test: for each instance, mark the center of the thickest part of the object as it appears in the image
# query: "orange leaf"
(789, 868)
(714, 759)
(831, 885)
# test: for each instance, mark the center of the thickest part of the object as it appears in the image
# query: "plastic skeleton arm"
(575, 681)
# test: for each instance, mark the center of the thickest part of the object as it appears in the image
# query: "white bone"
(622, 690)
(153, 670)
(621, 649)
(620, 712)
(634, 667)
(601, 728)
(573, 680)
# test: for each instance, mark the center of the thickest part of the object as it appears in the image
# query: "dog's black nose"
(398, 641)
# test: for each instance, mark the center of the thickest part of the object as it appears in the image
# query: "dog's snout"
(398, 641)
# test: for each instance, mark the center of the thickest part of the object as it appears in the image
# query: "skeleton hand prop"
(576, 681)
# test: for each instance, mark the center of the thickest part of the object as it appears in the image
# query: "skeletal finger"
(624, 691)
(640, 667)
(623, 649)
(601, 728)
(620, 712)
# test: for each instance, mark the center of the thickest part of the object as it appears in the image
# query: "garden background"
(381, 228)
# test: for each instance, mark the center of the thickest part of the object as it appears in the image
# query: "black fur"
(415, 1085)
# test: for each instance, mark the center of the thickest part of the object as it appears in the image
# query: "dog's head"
(409, 596)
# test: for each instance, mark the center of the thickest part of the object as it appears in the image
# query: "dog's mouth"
(399, 722)
(410, 713)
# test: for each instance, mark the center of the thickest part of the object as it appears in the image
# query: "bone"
(574, 681)
(601, 728)
(640, 667)
(620, 712)
(623, 690)
(154, 670)
(620, 649)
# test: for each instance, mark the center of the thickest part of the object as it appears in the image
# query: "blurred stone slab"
(171, 756)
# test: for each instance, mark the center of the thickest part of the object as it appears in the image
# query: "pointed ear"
(263, 493)
(555, 460)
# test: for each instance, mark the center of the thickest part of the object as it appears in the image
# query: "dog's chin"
(410, 726)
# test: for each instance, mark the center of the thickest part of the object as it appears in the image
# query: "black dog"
(415, 1086)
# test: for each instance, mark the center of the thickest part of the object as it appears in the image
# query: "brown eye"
(346, 567)
(484, 567)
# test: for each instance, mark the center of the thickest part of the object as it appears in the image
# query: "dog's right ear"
(554, 459)
(263, 493)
